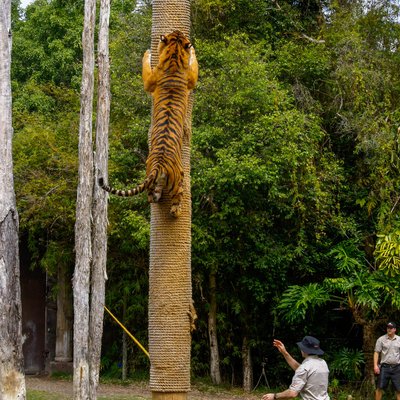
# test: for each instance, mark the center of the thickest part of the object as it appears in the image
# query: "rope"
(170, 285)
(128, 333)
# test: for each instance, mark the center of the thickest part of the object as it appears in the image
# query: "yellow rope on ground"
(128, 333)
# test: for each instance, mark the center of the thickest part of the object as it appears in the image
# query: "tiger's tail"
(123, 193)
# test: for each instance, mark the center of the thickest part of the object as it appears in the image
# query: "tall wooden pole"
(170, 252)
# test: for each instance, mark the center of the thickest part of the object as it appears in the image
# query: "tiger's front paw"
(175, 210)
(147, 56)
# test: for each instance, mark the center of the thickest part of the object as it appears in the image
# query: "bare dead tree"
(83, 240)
(12, 380)
(99, 234)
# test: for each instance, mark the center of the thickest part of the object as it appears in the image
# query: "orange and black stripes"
(169, 83)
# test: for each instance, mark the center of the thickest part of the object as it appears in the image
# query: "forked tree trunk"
(12, 381)
(98, 272)
(91, 240)
(83, 240)
(212, 331)
(170, 290)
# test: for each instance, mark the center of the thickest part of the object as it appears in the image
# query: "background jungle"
(295, 172)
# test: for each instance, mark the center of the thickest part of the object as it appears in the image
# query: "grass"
(39, 395)
(337, 392)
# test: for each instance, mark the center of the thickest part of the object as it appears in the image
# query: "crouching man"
(310, 379)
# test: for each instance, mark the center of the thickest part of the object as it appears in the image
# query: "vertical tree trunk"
(170, 290)
(12, 381)
(64, 317)
(369, 339)
(247, 366)
(124, 356)
(98, 273)
(124, 342)
(368, 350)
(212, 331)
(83, 240)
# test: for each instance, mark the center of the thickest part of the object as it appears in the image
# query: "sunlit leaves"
(348, 258)
(297, 301)
(387, 253)
(359, 288)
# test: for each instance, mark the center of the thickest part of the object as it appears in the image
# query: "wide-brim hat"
(310, 346)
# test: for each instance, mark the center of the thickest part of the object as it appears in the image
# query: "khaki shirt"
(389, 349)
(311, 379)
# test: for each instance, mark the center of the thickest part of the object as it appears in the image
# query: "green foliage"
(363, 287)
(297, 301)
(260, 19)
(264, 155)
(348, 363)
(295, 165)
(363, 291)
(387, 253)
(45, 167)
(47, 43)
(347, 256)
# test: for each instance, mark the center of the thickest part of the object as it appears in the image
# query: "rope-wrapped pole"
(170, 290)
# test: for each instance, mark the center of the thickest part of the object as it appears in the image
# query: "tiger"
(169, 83)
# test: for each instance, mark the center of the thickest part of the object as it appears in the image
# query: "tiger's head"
(174, 48)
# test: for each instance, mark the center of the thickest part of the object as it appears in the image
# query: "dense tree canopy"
(295, 164)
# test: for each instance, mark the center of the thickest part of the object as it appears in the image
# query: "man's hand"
(280, 346)
(268, 396)
(289, 359)
(377, 370)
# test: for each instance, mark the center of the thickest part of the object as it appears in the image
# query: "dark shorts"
(389, 373)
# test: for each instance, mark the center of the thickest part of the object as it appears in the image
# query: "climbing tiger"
(169, 83)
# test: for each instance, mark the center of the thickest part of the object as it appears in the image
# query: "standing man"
(388, 347)
(311, 376)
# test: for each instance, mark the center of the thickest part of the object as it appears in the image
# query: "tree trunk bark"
(247, 366)
(170, 290)
(64, 316)
(83, 240)
(12, 381)
(368, 350)
(369, 339)
(124, 356)
(212, 331)
(124, 341)
(98, 272)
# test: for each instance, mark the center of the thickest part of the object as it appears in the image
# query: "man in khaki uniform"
(310, 379)
(387, 349)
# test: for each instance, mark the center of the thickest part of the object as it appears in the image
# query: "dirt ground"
(64, 389)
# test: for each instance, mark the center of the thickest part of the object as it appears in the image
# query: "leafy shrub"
(348, 363)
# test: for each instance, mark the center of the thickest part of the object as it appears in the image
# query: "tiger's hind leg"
(176, 202)
(156, 193)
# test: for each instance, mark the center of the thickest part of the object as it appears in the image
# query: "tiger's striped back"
(169, 83)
